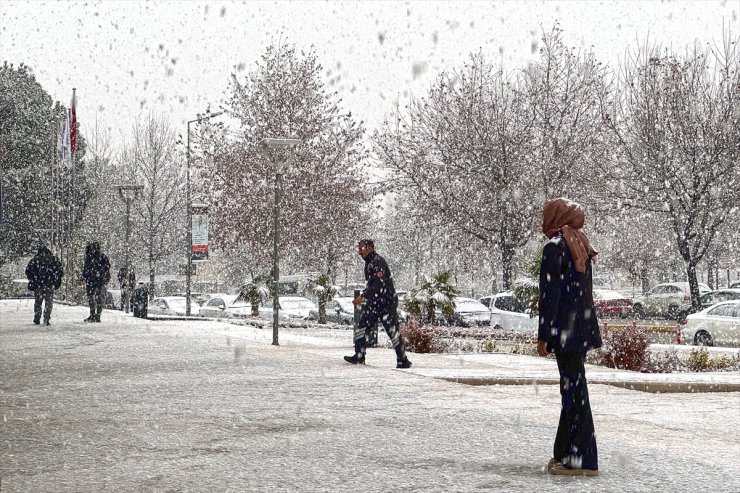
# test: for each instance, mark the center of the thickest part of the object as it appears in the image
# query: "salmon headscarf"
(563, 216)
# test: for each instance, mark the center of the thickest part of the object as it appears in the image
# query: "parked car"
(707, 300)
(665, 299)
(216, 305)
(468, 313)
(610, 303)
(340, 310)
(600, 282)
(510, 313)
(290, 307)
(717, 325)
(486, 300)
(171, 305)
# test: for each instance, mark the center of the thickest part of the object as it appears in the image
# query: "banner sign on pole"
(199, 247)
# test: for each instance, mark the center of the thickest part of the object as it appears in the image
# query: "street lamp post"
(280, 165)
(128, 194)
(188, 279)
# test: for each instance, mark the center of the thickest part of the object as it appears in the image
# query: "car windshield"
(469, 305)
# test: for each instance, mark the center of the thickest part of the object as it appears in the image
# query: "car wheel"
(703, 338)
(639, 311)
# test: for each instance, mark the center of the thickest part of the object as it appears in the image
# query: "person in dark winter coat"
(44, 273)
(568, 327)
(380, 303)
(127, 286)
(96, 274)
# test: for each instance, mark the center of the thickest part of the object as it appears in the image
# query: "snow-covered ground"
(136, 405)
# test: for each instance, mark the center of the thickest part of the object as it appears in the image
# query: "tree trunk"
(322, 311)
(644, 279)
(507, 257)
(431, 319)
(255, 309)
(693, 285)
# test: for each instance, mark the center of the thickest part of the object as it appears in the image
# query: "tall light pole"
(280, 165)
(188, 279)
(128, 194)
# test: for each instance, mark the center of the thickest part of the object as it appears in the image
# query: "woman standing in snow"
(568, 327)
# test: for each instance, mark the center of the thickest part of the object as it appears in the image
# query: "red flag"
(73, 124)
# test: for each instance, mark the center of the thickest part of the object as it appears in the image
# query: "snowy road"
(134, 405)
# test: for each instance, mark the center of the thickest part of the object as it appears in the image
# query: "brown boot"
(560, 470)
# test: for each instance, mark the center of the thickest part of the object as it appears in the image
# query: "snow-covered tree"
(159, 215)
(35, 189)
(564, 88)
(675, 143)
(462, 156)
(325, 201)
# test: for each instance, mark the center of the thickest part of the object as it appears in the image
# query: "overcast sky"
(127, 58)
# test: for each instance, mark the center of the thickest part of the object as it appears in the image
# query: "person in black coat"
(128, 283)
(96, 274)
(568, 327)
(44, 273)
(380, 303)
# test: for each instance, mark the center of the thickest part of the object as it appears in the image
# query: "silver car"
(665, 299)
(216, 306)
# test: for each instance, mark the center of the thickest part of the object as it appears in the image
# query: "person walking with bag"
(568, 327)
(44, 273)
(380, 304)
(96, 274)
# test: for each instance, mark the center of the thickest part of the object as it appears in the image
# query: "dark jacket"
(131, 277)
(96, 270)
(44, 271)
(380, 287)
(567, 316)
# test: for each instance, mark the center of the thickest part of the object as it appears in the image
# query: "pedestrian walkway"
(141, 405)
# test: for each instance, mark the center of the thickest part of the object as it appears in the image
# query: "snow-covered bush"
(419, 339)
(625, 349)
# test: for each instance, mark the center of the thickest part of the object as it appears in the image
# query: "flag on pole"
(73, 125)
(64, 150)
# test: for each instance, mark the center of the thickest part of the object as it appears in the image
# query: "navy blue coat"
(567, 316)
(380, 289)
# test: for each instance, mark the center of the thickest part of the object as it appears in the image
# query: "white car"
(470, 313)
(171, 305)
(717, 325)
(290, 307)
(509, 313)
(215, 307)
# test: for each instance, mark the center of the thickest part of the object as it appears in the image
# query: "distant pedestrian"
(44, 273)
(127, 283)
(96, 274)
(380, 304)
(568, 327)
